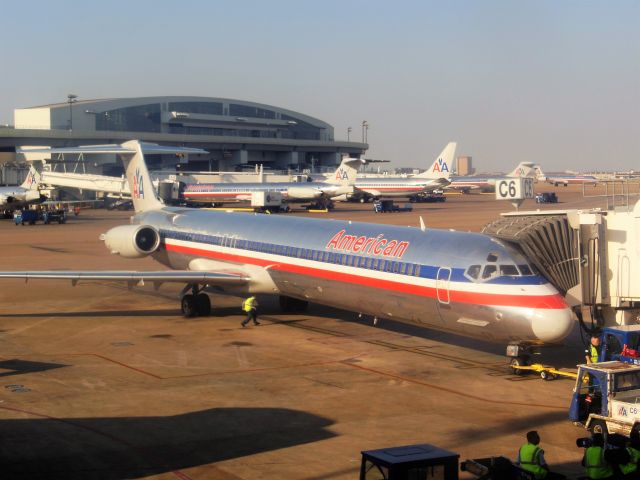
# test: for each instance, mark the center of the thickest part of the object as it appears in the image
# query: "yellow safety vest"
(634, 457)
(593, 353)
(530, 460)
(249, 304)
(596, 465)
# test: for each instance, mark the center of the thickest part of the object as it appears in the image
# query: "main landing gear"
(196, 303)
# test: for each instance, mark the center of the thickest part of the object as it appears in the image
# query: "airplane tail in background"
(143, 194)
(346, 172)
(441, 168)
(539, 174)
(524, 169)
(32, 182)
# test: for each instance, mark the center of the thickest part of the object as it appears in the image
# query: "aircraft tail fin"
(524, 169)
(32, 182)
(143, 194)
(539, 174)
(346, 172)
(441, 168)
(132, 152)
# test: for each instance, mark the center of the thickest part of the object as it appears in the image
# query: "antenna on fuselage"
(423, 227)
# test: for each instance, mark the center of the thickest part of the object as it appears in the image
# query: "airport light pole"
(348, 133)
(365, 127)
(71, 98)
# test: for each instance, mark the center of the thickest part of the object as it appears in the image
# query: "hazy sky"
(555, 82)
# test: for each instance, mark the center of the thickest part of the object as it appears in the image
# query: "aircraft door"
(442, 285)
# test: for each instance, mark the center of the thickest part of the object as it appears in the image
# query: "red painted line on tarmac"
(139, 370)
(113, 438)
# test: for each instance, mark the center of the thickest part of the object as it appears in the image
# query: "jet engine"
(303, 193)
(132, 241)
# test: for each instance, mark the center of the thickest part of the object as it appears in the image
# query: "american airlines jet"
(467, 283)
(341, 182)
(486, 183)
(434, 178)
(565, 179)
(13, 198)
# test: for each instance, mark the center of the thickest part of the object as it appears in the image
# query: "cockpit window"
(510, 270)
(525, 269)
(492, 257)
(473, 271)
(489, 271)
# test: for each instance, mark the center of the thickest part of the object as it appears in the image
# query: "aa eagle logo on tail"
(440, 166)
(138, 185)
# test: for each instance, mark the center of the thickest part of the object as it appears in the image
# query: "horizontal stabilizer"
(148, 148)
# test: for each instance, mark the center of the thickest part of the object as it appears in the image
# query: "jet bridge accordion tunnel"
(591, 256)
(548, 242)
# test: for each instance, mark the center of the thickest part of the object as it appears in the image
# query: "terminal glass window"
(206, 108)
(139, 118)
(249, 111)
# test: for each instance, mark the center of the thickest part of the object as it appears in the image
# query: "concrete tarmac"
(99, 381)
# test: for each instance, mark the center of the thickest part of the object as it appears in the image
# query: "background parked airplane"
(565, 178)
(13, 198)
(487, 183)
(434, 178)
(341, 182)
(466, 283)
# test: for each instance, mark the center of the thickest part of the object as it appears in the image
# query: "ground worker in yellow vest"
(591, 353)
(531, 459)
(630, 470)
(596, 467)
(250, 306)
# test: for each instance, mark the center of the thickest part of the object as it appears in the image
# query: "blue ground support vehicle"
(621, 343)
(21, 217)
(547, 197)
(606, 397)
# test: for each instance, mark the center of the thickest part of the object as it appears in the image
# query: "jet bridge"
(591, 256)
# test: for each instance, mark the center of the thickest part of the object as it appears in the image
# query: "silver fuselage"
(399, 187)
(423, 277)
(291, 191)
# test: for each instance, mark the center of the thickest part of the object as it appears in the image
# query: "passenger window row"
(381, 265)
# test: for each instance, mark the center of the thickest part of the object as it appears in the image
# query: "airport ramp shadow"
(134, 447)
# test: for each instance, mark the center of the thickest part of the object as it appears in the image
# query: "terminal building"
(237, 134)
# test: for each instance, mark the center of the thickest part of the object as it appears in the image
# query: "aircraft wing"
(135, 278)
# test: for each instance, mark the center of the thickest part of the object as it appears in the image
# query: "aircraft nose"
(552, 325)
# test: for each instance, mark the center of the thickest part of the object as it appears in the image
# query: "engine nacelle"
(132, 241)
(303, 193)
